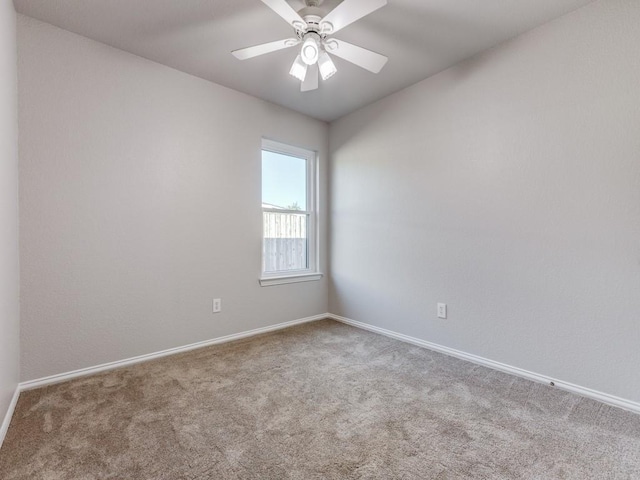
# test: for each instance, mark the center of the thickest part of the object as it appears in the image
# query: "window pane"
(285, 245)
(284, 181)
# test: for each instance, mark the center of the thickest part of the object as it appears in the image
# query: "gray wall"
(140, 203)
(9, 270)
(507, 187)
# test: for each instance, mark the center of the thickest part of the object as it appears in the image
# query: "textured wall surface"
(507, 187)
(9, 270)
(140, 203)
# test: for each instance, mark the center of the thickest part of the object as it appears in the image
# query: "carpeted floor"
(318, 401)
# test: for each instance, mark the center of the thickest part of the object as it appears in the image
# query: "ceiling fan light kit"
(327, 67)
(312, 27)
(299, 69)
(310, 48)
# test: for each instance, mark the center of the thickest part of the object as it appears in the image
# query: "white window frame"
(311, 273)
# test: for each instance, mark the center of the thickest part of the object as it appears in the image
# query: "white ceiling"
(420, 37)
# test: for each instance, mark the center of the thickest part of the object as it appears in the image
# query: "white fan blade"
(282, 8)
(256, 50)
(359, 56)
(348, 12)
(311, 80)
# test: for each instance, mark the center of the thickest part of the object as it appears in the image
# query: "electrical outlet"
(217, 305)
(442, 310)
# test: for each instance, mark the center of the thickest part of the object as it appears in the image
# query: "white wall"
(507, 187)
(140, 203)
(9, 270)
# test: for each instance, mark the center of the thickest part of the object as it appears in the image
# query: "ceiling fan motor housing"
(312, 17)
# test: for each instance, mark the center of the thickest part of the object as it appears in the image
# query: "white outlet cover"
(217, 305)
(442, 310)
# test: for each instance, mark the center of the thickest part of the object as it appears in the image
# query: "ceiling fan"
(313, 28)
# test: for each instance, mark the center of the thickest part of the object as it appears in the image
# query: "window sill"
(285, 279)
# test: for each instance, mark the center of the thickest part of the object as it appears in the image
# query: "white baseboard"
(63, 377)
(7, 418)
(519, 372)
(583, 391)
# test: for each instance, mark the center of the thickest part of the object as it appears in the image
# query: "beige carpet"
(318, 401)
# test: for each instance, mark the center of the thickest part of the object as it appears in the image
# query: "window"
(288, 213)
